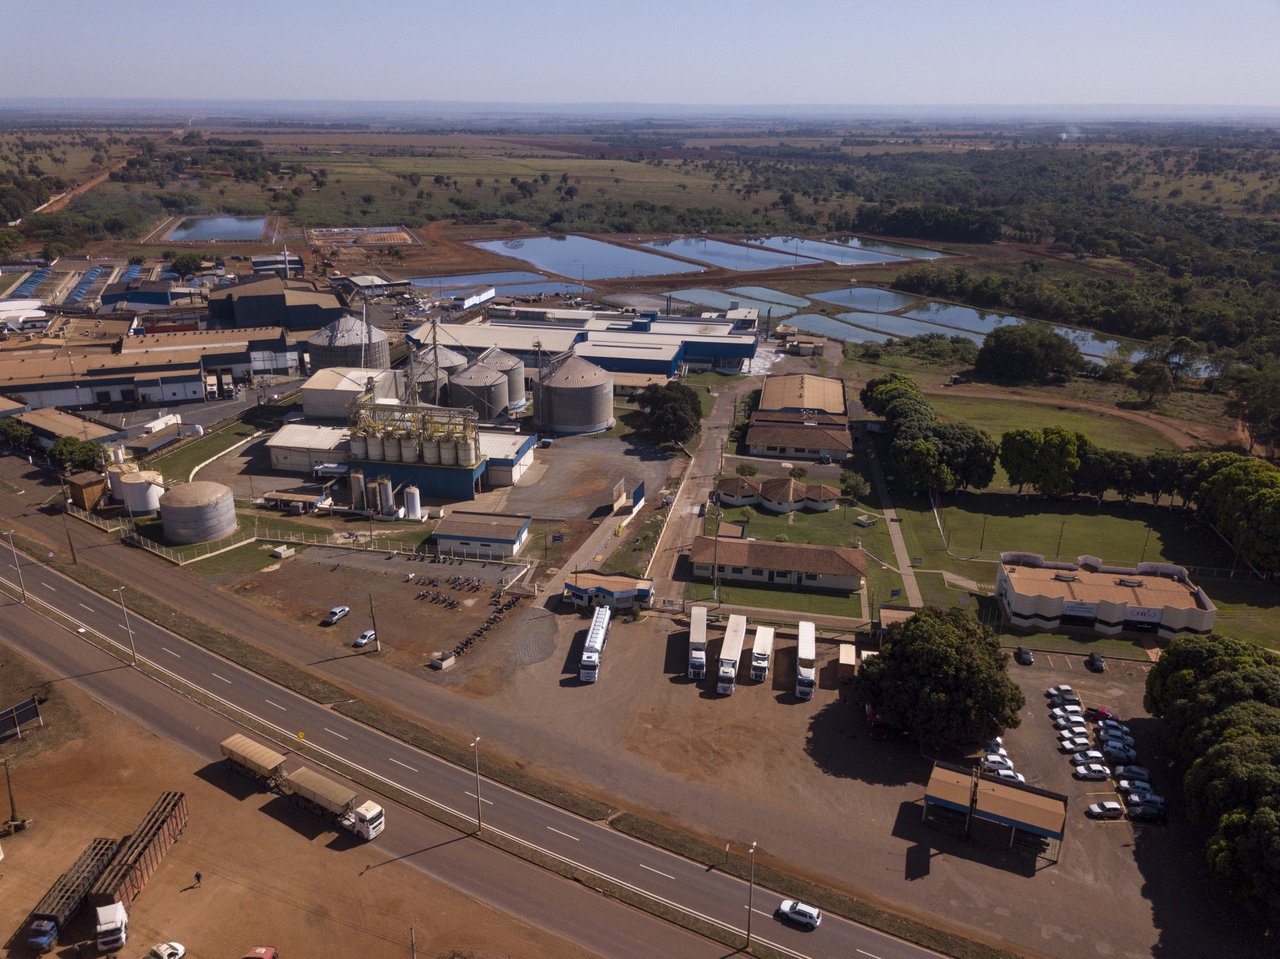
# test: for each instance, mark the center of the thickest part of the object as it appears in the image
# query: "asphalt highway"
(567, 908)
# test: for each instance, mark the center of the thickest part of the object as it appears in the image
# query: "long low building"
(837, 569)
(801, 416)
(485, 535)
(59, 378)
(1159, 598)
(587, 588)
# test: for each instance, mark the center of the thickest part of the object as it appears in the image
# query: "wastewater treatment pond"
(585, 258)
(227, 228)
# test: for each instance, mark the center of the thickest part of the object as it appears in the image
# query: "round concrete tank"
(391, 446)
(480, 387)
(141, 492)
(348, 342)
(356, 482)
(513, 369)
(574, 397)
(115, 473)
(412, 503)
(409, 448)
(360, 445)
(197, 513)
(431, 449)
(375, 446)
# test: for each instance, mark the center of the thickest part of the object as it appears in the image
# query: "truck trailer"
(136, 859)
(253, 759)
(761, 653)
(698, 642)
(328, 798)
(597, 635)
(49, 919)
(730, 653)
(806, 661)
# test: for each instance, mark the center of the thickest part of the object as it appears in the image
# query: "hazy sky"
(840, 52)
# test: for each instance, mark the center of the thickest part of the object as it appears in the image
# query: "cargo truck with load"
(698, 642)
(761, 653)
(597, 635)
(48, 921)
(136, 859)
(806, 661)
(730, 654)
(308, 789)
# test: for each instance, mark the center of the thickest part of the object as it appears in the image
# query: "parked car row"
(996, 761)
(1108, 752)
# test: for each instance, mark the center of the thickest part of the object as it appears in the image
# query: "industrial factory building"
(238, 354)
(272, 301)
(801, 416)
(482, 535)
(328, 394)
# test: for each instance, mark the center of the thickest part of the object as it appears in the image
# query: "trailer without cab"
(597, 635)
(135, 861)
(698, 642)
(253, 759)
(761, 653)
(49, 919)
(806, 661)
(324, 796)
(848, 668)
(735, 635)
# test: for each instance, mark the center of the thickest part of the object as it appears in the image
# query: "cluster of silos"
(573, 395)
(139, 491)
(432, 367)
(512, 368)
(395, 445)
(379, 496)
(482, 388)
(197, 512)
(349, 342)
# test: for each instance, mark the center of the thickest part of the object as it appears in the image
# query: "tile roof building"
(837, 569)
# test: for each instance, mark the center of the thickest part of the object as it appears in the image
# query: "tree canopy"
(1026, 352)
(673, 411)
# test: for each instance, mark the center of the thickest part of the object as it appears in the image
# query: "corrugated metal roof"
(483, 526)
(803, 391)
(303, 436)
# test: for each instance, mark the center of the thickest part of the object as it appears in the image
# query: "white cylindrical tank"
(467, 455)
(373, 497)
(409, 448)
(448, 451)
(412, 503)
(391, 446)
(115, 472)
(117, 454)
(141, 492)
(356, 481)
(480, 387)
(388, 496)
(198, 513)
(431, 449)
(360, 445)
(375, 446)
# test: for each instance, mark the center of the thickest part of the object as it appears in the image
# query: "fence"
(103, 523)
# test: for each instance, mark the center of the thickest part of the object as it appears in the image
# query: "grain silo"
(349, 342)
(480, 387)
(573, 395)
(197, 513)
(433, 366)
(513, 369)
(141, 491)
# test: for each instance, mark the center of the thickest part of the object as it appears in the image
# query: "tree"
(1019, 450)
(75, 453)
(746, 469)
(1057, 460)
(1254, 399)
(942, 677)
(1026, 352)
(16, 433)
(673, 411)
(854, 485)
(920, 468)
(969, 453)
(1153, 380)
(186, 264)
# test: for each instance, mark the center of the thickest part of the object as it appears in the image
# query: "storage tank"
(409, 448)
(115, 473)
(480, 387)
(197, 513)
(348, 342)
(448, 451)
(375, 446)
(373, 496)
(468, 451)
(141, 491)
(360, 445)
(431, 448)
(434, 366)
(387, 496)
(356, 481)
(412, 503)
(513, 369)
(574, 396)
(391, 446)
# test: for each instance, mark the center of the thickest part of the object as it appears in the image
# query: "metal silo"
(432, 367)
(356, 480)
(349, 342)
(409, 447)
(198, 513)
(391, 446)
(431, 448)
(375, 445)
(480, 387)
(513, 369)
(141, 492)
(412, 503)
(359, 444)
(573, 395)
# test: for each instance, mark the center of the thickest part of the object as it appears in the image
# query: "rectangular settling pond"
(730, 256)
(227, 228)
(576, 257)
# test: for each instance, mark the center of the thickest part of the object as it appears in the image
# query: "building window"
(737, 570)
(757, 572)
(810, 576)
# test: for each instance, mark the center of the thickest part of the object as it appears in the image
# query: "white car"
(994, 745)
(1105, 810)
(1086, 757)
(1134, 786)
(167, 950)
(990, 749)
(1009, 776)
(991, 762)
(1074, 745)
(1071, 732)
(335, 614)
(365, 638)
(1066, 722)
(1058, 690)
(802, 914)
(1062, 712)
(1091, 771)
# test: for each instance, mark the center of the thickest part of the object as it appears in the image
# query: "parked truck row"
(48, 921)
(761, 658)
(309, 789)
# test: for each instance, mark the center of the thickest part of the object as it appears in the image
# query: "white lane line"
(171, 652)
(565, 834)
(651, 869)
(89, 608)
(122, 625)
(276, 705)
(405, 765)
(223, 678)
(332, 733)
(865, 953)
(487, 802)
(49, 586)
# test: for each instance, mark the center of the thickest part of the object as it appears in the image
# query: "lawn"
(638, 545)
(177, 466)
(823, 604)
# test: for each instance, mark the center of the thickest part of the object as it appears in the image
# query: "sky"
(703, 52)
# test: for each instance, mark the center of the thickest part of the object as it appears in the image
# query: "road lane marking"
(223, 678)
(332, 733)
(651, 869)
(565, 834)
(171, 652)
(864, 952)
(405, 765)
(276, 705)
(487, 802)
(49, 586)
(89, 608)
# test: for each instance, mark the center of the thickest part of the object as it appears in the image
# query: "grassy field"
(823, 604)
(177, 466)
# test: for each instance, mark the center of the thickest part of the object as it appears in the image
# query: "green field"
(822, 604)
(177, 466)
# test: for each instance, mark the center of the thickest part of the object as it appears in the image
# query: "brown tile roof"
(764, 417)
(796, 557)
(799, 436)
(738, 487)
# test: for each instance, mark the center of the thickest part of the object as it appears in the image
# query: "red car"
(1099, 713)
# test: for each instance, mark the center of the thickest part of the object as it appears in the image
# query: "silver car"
(802, 914)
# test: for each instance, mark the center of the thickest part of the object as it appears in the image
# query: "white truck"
(698, 642)
(806, 661)
(761, 653)
(597, 635)
(730, 653)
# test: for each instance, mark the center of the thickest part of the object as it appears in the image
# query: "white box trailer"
(597, 635)
(698, 642)
(761, 653)
(730, 654)
(806, 661)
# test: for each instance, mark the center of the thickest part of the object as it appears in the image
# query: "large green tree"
(942, 677)
(1025, 353)
(673, 411)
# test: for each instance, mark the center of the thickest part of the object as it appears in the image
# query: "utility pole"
(377, 640)
(17, 564)
(751, 893)
(127, 625)
(1057, 554)
(413, 939)
(67, 528)
(475, 748)
(13, 806)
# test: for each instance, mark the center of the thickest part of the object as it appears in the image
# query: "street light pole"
(127, 625)
(475, 748)
(17, 564)
(751, 893)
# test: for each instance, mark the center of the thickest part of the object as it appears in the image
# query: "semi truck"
(308, 789)
(589, 669)
(761, 653)
(698, 642)
(50, 917)
(136, 859)
(806, 661)
(730, 653)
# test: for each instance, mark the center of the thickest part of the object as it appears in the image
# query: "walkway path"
(909, 584)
